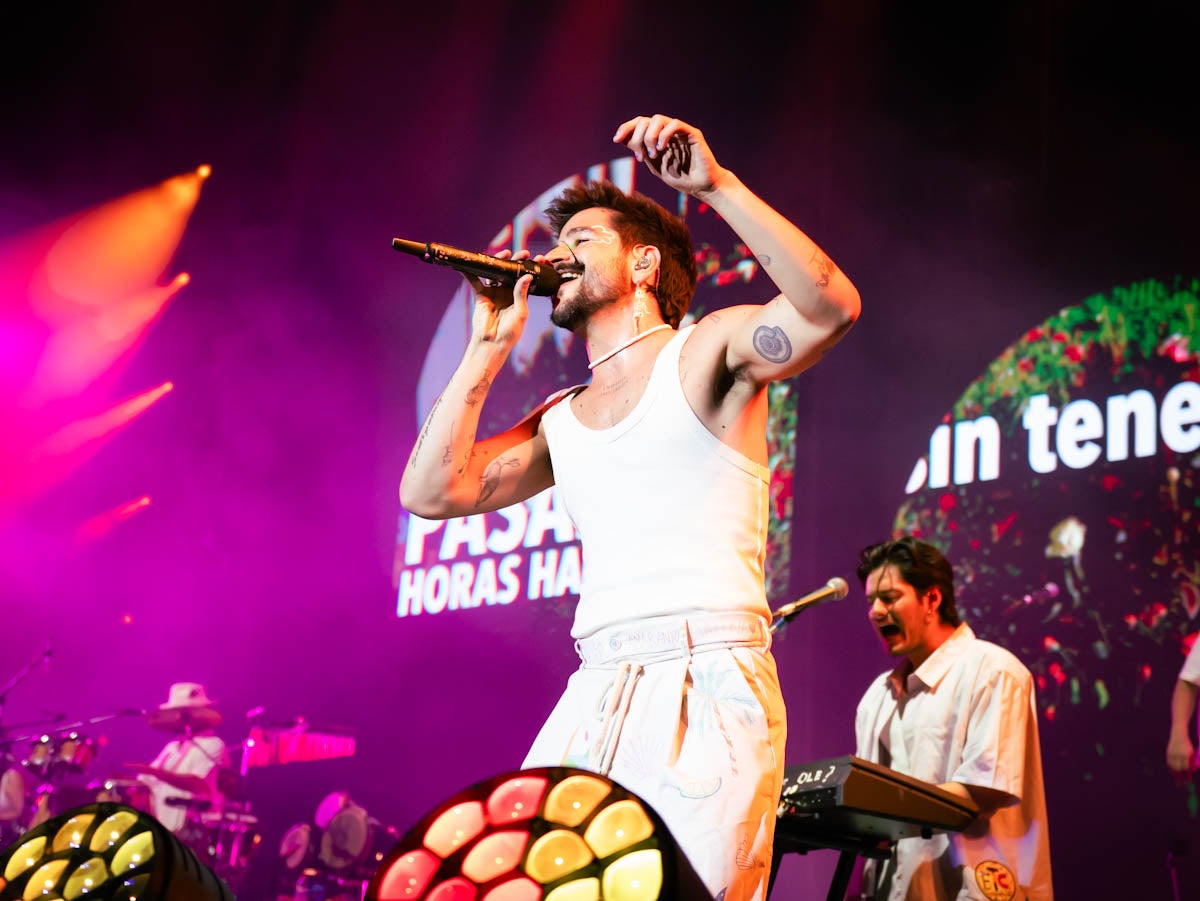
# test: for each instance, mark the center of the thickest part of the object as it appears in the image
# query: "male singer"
(661, 462)
(958, 712)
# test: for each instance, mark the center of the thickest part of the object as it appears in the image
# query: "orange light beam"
(85, 435)
(102, 523)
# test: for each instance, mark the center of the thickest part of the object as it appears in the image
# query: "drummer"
(184, 775)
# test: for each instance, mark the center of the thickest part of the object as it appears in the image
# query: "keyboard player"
(958, 712)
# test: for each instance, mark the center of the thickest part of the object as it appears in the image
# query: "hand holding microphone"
(505, 272)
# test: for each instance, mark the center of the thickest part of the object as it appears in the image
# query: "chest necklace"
(620, 347)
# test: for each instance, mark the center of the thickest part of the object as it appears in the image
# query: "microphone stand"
(833, 590)
(19, 678)
(784, 615)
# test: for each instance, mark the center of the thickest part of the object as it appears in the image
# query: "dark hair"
(919, 563)
(639, 220)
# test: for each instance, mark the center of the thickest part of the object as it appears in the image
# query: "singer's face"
(905, 619)
(590, 259)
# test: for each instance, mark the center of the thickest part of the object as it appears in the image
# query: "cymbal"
(182, 781)
(184, 719)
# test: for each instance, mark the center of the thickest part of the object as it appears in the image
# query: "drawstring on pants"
(619, 699)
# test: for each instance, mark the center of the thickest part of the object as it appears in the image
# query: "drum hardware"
(132, 792)
(334, 855)
(51, 755)
(316, 886)
(227, 840)
(298, 848)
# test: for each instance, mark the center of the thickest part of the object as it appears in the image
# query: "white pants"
(687, 715)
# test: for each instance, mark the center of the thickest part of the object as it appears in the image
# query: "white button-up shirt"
(967, 714)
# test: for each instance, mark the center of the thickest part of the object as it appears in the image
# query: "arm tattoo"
(467, 458)
(412, 461)
(478, 391)
(772, 343)
(825, 269)
(490, 480)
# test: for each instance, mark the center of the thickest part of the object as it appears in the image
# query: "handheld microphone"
(545, 278)
(833, 590)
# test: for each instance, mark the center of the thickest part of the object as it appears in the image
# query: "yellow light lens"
(634, 877)
(577, 890)
(72, 832)
(87, 878)
(557, 854)
(25, 857)
(135, 852)
(109, 832)
(573, 800)
(618, 826)
(44, 879)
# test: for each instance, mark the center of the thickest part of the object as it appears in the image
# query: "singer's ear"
(935, 598)
(646, 259)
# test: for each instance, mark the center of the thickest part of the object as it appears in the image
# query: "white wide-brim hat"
(187, 694)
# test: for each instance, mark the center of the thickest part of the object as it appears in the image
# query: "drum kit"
(45, 769)
(45, 774)
(334, 856)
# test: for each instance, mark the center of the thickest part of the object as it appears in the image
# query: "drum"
(226, 841)
(123, 790)
(298, 849)
(297, 852)
(331, 804)
(353, 843)
(75, 752)
(52, 755)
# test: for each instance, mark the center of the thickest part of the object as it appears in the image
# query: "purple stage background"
(973, 175)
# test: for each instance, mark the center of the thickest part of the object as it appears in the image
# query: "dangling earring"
(640, 309)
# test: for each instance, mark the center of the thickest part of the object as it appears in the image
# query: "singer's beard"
(570, 313)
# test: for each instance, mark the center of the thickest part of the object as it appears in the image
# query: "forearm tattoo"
(467, 458)
(490, 480)
(772, 344)
(478, 391)
(412, 461)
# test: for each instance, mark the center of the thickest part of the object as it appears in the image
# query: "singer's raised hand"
(500, 310)
(674, 151)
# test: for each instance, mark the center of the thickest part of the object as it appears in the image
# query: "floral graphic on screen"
(1063, 484)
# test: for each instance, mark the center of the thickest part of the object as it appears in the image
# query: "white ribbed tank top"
(672, 521)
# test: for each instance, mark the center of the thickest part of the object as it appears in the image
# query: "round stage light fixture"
(105, 850)
(544, 834)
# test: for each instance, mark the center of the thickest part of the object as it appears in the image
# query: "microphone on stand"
(833, 590)
(545, 278)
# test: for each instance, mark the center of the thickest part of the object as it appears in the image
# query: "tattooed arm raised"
(450, 472)
(817, 303)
